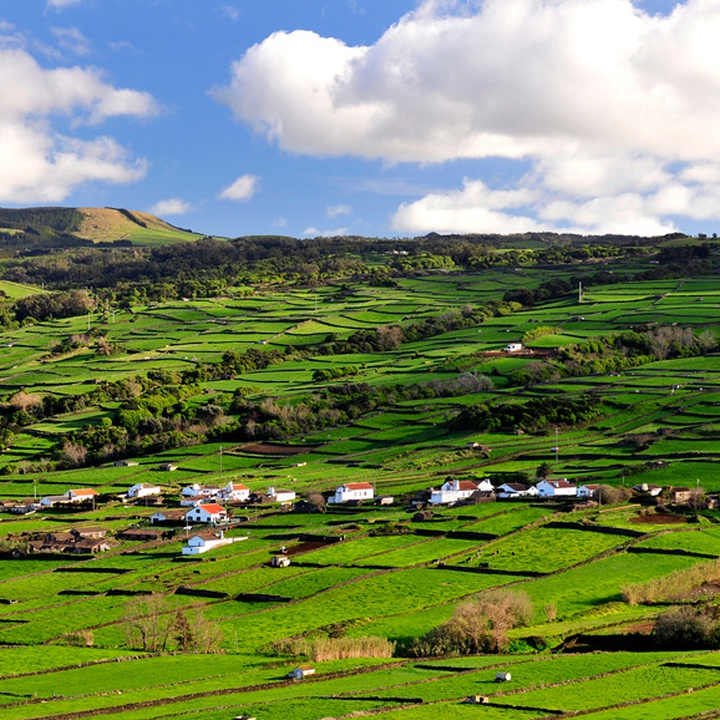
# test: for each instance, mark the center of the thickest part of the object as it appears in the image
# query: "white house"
(513, 491)
(556, 488)
(647, 489)
(234, 492)
(280, 496)
(202, 542)
(210, 513)
(513, 347)
(453, 490)
(199, 491)
(71, 496)
(141, 490)
(588, 491)
(353, 491)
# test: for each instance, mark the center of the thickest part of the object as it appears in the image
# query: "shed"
(503, 677)
(301, 671)
(280, 561)
(477, 700)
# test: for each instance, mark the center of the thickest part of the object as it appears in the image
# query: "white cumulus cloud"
(242, 189)
(613, 107)
(171, 206)
(40, 164)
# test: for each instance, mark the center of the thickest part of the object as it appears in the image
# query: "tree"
(544, 470)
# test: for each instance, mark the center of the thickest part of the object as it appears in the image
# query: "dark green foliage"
(534, 414)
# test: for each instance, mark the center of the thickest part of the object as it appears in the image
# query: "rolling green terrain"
(401, 384)
(97, 225)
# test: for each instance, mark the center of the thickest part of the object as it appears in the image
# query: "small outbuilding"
(300, 672)
(503, 677)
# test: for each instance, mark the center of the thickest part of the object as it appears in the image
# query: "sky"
(389, 118)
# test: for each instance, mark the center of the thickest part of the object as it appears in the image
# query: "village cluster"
(209, 506)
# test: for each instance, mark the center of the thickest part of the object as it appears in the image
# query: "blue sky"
(367, 117)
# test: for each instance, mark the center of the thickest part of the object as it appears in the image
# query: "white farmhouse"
(234, 492)
(280, 496)
(141, 490)
(210, 513)
(71, 496)
(202, 542)
(353, 491)
(588, 491)
(199, 491)
(453, 490)
(556, 488)
(514, 491)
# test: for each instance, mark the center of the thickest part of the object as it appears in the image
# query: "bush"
(479, 625)
(688, 628)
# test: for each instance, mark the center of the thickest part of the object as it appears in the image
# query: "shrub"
(688, 628)
(479, 625)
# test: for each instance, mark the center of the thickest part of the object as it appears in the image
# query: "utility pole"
(557, 447)
(221, 462)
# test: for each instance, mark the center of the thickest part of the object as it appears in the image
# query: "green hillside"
(75, 226)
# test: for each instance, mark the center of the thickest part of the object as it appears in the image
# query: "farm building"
(280, 561)
(556, 488)
(141, 490)
(680, 495)
(454, 490)
(513, 347)
(234, 492)
(514, 491)
(196, 491)
(301, 671)
(588, 491)
(210, 513)
(203, 542)
(88, 532)
(71, 496)
(168, 467)
(353, 491)
(647, 489)
(280, 496)
(168, 517)
(126, 463)
(141, 534)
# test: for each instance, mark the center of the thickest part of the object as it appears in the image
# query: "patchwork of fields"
(368, 571)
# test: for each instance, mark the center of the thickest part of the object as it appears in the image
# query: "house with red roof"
(353, 491)
(234, 492)
(556, 488)
(454, 490)
(210, 513)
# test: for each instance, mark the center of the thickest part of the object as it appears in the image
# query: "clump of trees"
(479, 625)
(535, 414)
(152, 625)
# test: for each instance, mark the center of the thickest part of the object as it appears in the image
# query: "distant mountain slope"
(69, 226)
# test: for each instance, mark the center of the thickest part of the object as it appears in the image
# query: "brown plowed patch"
(270, 449)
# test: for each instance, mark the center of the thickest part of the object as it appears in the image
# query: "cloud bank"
(616, 110)
(37, 162)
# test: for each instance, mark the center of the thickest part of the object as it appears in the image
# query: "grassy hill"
(68, 226)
